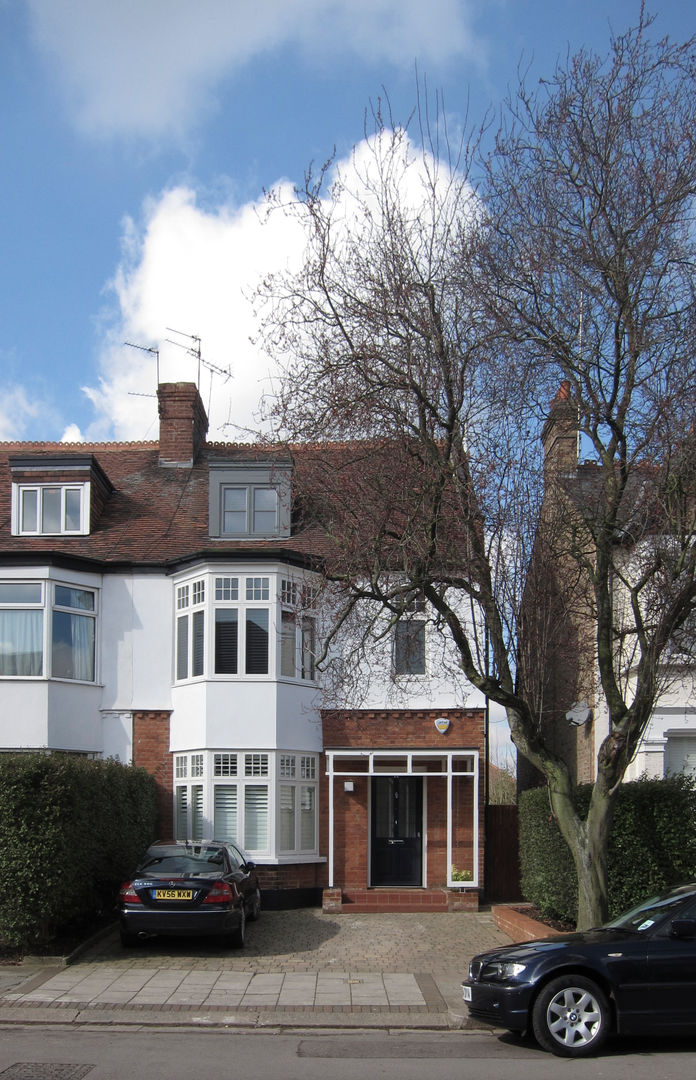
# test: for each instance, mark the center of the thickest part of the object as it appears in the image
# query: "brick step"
(387, 900)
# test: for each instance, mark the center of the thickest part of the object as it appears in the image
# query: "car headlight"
(501, 969)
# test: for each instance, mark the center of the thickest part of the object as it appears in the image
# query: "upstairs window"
(249, 500)
(249, 511)
(409, 638)
(51, 509)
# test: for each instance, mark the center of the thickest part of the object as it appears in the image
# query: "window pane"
(256, 817)
(73, 647)
(182, 647)
(73, 504)
(309, 648)
(265, 510)
(409, 650)
(225, 812)
(21, 642)
(287, 818)
(30, 517)
(50, 510)
(308, 818)
(197, 812)
(226, 641)
(287, 644)
(234, 506)
(181, 813)
(20, 593)
(257, 642)
(198, 643)
(74, 598)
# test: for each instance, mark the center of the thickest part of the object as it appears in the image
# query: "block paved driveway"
(293, 960)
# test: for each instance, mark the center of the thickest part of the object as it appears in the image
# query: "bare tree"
(433, 321)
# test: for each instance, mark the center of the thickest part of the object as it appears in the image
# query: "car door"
(672, 974)
(244, 879)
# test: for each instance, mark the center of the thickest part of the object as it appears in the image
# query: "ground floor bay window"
(265, 801)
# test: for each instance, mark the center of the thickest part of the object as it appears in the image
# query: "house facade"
(160, 604)
(574, 712)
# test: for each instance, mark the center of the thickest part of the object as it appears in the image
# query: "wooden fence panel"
(502, 854)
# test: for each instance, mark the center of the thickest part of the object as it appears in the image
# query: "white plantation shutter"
(197, 812)
(225, 812)
(181, 813)
(256, 817)
(287, 818)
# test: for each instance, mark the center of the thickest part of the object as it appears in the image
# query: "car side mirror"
(250, 866)
(683, 928)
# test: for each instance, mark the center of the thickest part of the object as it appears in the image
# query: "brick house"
(574, 717)
(158, 605)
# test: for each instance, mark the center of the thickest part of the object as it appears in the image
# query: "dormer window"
(249, 501)
(249, 511)
(51, 509)
(57, 494)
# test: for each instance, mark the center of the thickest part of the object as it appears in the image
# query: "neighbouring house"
(562, 631)
(159, 605)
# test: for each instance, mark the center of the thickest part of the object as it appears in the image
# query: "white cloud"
(18, 412)
(193, 270)
(147, 67)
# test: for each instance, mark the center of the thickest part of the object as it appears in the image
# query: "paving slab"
(299, 968)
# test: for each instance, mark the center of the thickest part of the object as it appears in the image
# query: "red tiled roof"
(155, 515)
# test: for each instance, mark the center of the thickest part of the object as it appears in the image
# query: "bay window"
(47, 629)
(265, 801)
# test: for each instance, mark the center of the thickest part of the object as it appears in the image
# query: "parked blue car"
(190, 888)
(636, 975)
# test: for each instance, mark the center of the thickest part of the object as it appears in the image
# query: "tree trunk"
(588, 843)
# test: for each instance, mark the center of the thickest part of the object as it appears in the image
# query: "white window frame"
(247, 772)
(50, 605)
(20, 490)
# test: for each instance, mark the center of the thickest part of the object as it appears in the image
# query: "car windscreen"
(644, 916)
(208, 861)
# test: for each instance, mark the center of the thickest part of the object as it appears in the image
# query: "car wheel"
(236, 939)
(571, 1016)
(255, 907)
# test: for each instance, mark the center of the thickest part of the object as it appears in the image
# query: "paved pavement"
(298, 969)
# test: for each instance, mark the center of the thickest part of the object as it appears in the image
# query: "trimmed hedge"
(652, 845)
(71, 830)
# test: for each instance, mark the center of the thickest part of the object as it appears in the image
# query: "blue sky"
(138, 137)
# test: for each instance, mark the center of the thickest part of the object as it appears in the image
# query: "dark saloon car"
(636, 975)
(190, 887)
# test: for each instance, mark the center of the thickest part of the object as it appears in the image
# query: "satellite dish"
(578, 714)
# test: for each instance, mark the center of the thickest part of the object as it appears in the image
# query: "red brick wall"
(407, 729)
(151, 752)
(183, 422)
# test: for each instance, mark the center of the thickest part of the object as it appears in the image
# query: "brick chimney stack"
(183, 424)
(560, 435)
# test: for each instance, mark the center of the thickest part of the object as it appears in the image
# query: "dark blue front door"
(397, 824)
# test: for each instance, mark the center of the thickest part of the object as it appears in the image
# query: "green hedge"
(652, 845)
(71, 831)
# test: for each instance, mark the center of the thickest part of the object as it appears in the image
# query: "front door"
(397, 825)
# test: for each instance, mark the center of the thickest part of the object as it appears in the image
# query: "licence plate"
(172, 894)
(466, 993)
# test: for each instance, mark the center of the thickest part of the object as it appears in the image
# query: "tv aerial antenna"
(153, 352)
